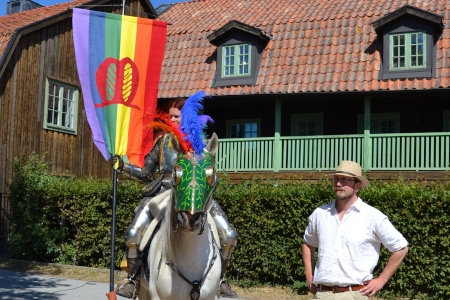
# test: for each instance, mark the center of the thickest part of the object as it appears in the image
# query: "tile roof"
(9, 23)
(317, 46)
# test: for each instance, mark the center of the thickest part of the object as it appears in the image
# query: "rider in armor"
(157, 170)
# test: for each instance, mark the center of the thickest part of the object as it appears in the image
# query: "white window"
(61, 106)
(236, 60)
(248, 128)
(307, 124)
(381, 123)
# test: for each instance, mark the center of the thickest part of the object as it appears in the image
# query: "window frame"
(231, 122)
(60, 112)
(407, 55)
(377, 117)
(308, 117)
(236, 57)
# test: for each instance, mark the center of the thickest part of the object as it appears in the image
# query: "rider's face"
(175, 115)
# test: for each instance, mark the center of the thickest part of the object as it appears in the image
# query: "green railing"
(387, 152)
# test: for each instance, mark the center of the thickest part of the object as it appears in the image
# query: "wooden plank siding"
(46, 50)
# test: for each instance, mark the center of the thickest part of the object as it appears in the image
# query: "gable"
(233, 37)
(400, 58)
(406, 25)
(13, 26)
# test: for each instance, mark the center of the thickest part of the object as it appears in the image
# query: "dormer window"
(408, 51)
(239, 53)
(236, 60)
(408, 36)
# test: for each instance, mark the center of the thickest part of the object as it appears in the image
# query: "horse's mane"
(169, 239)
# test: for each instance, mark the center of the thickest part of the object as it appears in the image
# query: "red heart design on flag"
(117, 82)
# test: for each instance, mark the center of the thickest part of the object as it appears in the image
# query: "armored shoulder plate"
(168, 153)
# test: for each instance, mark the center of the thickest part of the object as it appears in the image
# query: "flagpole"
(113, 232)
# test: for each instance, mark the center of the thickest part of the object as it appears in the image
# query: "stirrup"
(125, 281)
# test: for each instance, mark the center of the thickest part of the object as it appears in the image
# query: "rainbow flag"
(119, 62)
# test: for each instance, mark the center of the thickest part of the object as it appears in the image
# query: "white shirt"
(349, 249)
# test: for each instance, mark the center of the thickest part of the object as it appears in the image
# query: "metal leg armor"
(228, 240)
(227, 234)
(137, 228)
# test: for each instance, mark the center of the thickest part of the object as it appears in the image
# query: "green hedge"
(66, 220)
(69, 221)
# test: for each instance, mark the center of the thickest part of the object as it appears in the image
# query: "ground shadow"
(14, 285)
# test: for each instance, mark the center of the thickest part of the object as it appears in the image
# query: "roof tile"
(317, 46)
(9, 23)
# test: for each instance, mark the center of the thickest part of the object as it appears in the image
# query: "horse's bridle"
(205, 213)
(197, 284)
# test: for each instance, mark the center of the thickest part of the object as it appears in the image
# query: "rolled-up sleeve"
(311, 237)
(389, 236)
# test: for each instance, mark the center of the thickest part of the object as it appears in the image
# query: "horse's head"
(194, 180)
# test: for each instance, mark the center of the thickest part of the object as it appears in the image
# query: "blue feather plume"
(190, 122)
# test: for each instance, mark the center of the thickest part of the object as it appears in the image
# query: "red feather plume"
(163, 122)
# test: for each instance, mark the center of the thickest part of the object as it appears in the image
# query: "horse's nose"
(196, 220)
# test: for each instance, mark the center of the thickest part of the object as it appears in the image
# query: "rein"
(197, 284)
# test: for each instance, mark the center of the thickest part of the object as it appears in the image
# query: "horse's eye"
(176, 176)
(211, 176)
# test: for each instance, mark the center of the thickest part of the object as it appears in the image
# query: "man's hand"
(312, 288)
(372, 287)
(391, 267)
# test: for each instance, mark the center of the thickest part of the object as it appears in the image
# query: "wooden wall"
(48, 52)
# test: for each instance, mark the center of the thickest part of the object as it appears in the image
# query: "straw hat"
(351, 169)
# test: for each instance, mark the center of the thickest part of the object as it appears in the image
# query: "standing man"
(349, 233)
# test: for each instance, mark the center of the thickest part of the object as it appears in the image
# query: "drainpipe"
(277, 142)
(367, 154)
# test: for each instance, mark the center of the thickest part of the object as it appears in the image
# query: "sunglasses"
(343, 180)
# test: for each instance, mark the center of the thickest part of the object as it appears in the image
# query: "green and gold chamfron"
(192, 188)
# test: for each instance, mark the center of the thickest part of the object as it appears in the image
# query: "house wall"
(47, 52)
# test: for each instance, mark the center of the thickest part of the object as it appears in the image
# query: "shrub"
(66, 220)
(69, 221)
(35, 231)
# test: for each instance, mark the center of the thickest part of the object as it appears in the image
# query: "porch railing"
(377, 152)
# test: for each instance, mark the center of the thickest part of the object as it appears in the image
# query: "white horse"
(184, 259)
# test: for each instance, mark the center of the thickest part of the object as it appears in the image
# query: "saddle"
(157, 206)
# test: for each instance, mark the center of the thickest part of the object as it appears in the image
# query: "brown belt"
(340, 289)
